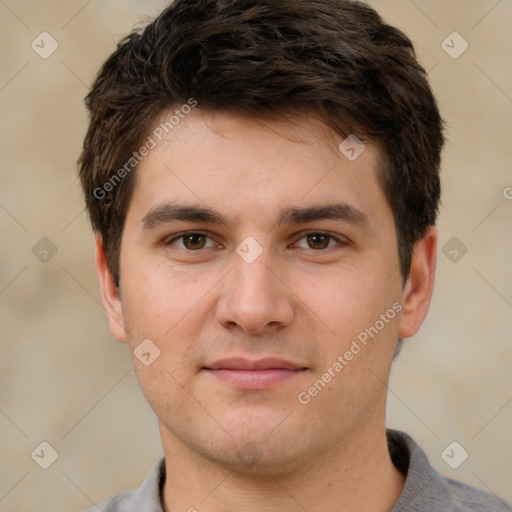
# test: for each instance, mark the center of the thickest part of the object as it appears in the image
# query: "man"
(263, 181)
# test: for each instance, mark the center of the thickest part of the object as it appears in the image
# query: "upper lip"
(247, 364)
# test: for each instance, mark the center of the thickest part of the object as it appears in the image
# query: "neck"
(357, 475)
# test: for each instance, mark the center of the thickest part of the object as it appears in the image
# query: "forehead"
(240, 165)
(290, 129)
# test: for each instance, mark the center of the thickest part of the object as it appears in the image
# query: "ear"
(109, 293)
(420, 284)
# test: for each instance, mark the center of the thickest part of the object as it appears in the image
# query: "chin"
(265, 459)
(268, 447)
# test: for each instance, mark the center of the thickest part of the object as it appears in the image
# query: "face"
(262, 266)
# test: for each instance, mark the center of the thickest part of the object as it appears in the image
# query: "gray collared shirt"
(425, 489)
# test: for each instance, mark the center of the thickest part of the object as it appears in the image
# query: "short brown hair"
(335, 58)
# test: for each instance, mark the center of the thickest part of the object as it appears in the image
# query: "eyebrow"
(334, 211)
(171, 212)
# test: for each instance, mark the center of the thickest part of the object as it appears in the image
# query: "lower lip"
(255, 379)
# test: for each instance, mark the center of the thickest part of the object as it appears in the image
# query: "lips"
(260, 374)
(261, 364)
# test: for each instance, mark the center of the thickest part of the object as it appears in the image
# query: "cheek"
(345, 300)
(164, 309)
(165, 389)
(170, 308)
(357, 312)
(160, 302)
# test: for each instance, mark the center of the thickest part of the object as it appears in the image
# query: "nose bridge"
(253, 297)
(254, 277)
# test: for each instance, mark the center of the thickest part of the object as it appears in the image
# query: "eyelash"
(304, 235)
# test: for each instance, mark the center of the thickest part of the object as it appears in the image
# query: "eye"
(319, 241)
(191, 241)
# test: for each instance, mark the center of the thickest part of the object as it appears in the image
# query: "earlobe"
(109, 292)
(420, 284)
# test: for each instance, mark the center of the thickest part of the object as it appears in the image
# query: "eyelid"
(341, 240)
(178, 236)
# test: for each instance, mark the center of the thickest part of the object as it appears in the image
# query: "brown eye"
(191, 241)
(318, 241)
(194, 241)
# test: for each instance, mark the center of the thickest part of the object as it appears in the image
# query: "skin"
(303, 299)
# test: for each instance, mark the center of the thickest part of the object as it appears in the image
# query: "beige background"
(64, 380)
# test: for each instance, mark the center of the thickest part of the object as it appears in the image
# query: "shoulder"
(426, 490)
(146, 498)
(448, 495)
(468, 498)
(120, 503)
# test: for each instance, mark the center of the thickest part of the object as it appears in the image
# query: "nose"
(254, 297)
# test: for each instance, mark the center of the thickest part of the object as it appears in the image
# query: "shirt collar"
(406, 455)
